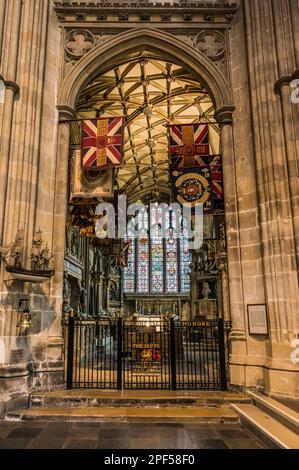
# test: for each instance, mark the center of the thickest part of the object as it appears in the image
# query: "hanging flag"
(102, 143)
(216, 176)
(188, 143)
(87, 185)
(192, 187)
(214, 164)
(119, 253)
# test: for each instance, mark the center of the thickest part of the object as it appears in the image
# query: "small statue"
(17, 249)
(82, 299)
(36, 251)
(113, 291)
(5, 250)
(194, 263)
(66, 293)
(45, 258)
(206, 291)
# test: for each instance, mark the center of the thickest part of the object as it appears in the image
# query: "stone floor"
(62, 435)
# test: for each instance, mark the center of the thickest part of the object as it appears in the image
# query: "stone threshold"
(217, 415)
(82, 397)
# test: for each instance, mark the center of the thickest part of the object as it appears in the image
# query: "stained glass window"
(157, 251)
(159, 263)
(185, 259)
(143, 254)
(171, 248)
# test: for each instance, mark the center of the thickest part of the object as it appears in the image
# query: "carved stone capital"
(10, 85)
(66, 113)
(225, 115)
(285, 81)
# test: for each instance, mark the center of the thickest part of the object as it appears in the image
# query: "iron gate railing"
(169, 355)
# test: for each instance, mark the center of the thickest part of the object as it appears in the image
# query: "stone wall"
(271, 59)
(30, 67)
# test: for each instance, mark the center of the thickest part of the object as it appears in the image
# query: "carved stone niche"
(78, 42)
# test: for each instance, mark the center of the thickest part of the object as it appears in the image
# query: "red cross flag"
(188, 143)
(102, 143)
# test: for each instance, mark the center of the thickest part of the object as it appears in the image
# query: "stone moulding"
(10, 85)
(285, 81)
(129, 4)
(100, 11)
(137, 40)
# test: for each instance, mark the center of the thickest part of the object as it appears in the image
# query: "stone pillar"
(276, 214)
(2, 22)
(282, 88)
(60, 210)
(294, 14)
(225, 292)
(10, 92)
(238, 334)
(25, 152)
(9, 41)
(286, 58)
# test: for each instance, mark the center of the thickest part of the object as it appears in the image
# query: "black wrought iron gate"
(169, 355)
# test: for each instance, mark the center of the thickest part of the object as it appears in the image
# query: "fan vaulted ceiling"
(151, 94)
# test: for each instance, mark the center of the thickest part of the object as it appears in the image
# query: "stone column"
(265, 59)
(2, 22)
(9, 59)
(11, 90)
(282, 87)
(294, 13)
(225, 292)
(62, 159)
(238, 334)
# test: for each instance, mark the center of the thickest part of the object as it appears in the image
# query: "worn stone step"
(111, 398)
(276, 410)
(221, 414)
(270, 431)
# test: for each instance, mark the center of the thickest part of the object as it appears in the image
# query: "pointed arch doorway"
(152, 93)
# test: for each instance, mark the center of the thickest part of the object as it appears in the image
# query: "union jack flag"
(102, 142)
(188, 143)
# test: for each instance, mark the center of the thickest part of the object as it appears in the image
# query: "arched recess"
(105, 55)
(103, 58)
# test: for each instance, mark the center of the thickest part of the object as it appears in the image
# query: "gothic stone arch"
(106, 54)
(103, 57)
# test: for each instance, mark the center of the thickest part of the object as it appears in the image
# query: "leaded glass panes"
(143, 254)
(185, 259)
(171, 249)
(159, 263)
(157, 252)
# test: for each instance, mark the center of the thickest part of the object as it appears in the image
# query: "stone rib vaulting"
(231, 65)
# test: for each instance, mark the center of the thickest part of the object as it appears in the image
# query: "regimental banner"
(88, 185)
(193, 187)
(102, 143)
(119, 253)
(215, 165)
(188, 143)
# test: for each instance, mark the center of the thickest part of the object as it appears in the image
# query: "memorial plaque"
(206, 308)
(17, 356)
(257, 320)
